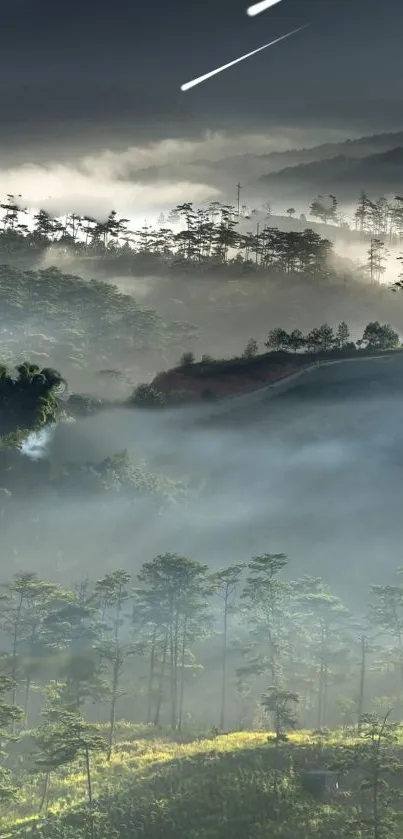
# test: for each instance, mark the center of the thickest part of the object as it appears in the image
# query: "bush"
(251, 350)
(187, 359)
(146, 396)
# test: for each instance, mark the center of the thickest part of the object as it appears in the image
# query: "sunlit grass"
(165, 779)
(134, 755)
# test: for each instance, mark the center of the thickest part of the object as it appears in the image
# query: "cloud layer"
(145, 178)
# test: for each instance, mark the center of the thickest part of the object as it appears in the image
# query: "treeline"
(380, 217)
(376, 336)
(207, 237)
(144, 641)
(321, 339)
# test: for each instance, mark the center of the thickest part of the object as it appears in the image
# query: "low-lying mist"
(315, 473)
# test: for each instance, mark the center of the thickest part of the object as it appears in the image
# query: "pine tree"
(10, 714)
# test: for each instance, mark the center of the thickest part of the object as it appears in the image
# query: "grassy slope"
(204, 789)
(234, 376)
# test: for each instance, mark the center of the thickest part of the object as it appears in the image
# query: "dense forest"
(209, 236)
(160, 695)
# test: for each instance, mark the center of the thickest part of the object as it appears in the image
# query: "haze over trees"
(208, 235)
(157, 693)
(77, 660)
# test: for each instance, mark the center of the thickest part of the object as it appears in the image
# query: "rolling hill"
(342, 174)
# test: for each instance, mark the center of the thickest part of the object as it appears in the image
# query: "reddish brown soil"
(227, 379)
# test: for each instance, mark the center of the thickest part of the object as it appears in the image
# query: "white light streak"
(209, 75)
(258, 8)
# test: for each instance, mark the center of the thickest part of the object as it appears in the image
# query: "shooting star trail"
(204, 78)
(258, 8)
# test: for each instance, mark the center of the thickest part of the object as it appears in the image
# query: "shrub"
(146, 396)
(251, 350)
(187, 359)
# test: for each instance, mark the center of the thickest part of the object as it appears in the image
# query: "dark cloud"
(71, 73)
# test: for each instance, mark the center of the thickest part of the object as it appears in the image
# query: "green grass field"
(209, 788)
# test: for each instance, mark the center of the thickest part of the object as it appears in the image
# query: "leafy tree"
(150, 625)
(328, 641)
(376, 260)
(28, 401)
(183, 588)
(378, 735)
(37, 599)
(16, 605)
(296, 340)
(264, 600)
(363, 211)
(280, 704)
(187, 359)
(10, 714)
(251, 349)
(226, 582)
(320, 339)
(325, 208)
(342, 335)
(278, 339)
(380, 336)
(386, 610)
(61, 740)
(148, 397)
(113, 596)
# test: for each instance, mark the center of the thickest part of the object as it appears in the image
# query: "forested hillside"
(195, 616)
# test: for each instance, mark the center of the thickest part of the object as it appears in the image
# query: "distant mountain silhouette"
(276, 161)
(344, 175)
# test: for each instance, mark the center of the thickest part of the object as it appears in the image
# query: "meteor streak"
(258, 8)
(204, 78)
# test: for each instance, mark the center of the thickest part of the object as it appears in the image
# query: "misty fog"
(312, 473)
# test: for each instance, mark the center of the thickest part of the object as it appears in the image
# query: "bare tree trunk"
(89, 788)
(151, 677)
(112, 716)
(26, 702)
(182, 677)
(224, 666)
(174, 673)
(44, 799)
(362, 682)
(325, 693)
(161, 682)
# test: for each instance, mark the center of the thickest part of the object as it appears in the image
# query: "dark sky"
(95, 72)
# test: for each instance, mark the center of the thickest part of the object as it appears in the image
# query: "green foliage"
(112, 596)
(28, 400)
(280, 704)
(277, 340)
(251, 350)
(110, 640)
(73, 321)
(380, 336)
(9, 715)
(323, 340)
(182, 588)
(342, 335)
(63, 738)
(145, 396)
(187, 359)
